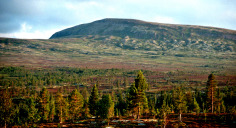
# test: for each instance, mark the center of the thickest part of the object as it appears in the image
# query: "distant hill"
(145, 30)
(136, 34)
(127, 43)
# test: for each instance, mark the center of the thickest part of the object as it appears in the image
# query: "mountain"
(144, 30)
(128, 44)
(136, 34)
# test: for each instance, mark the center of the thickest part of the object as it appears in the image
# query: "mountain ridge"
(143, 30)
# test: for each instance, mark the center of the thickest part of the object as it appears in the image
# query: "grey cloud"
(39, 14)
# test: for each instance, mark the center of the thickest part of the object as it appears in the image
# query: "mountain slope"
(132, 44)
(145, 30)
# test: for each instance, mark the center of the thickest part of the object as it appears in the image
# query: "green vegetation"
(32, 107)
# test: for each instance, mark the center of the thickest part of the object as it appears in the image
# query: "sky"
(39, 19)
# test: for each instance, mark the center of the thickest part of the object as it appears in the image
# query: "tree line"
(43, 106)
(20, 76)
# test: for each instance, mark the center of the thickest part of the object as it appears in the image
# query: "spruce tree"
(93, 100)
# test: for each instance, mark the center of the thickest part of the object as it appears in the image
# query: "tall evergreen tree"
(180, 101)
(106, 107)
(76, 102)
(44, 105)
(61, 107)
(132, 100)
(93, 100)
(211, 92)
(33, 116)
(136, 96)
(140, 82)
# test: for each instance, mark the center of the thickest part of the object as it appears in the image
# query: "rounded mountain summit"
(144, 30)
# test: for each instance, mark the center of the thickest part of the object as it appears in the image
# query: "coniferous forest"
(76, 97)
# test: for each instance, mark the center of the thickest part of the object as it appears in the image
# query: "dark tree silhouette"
(93, 100)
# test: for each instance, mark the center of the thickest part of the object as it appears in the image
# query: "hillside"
(135, 34)
(145, 30)
(128, 44)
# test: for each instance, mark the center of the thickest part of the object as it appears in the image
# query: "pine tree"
(61, 107)
(180, 101)
(76, 103)
(132, 98)
(136, 96)
(211, 92)
(93, 100)
(44, 105)
(140, 82)
(106, 107)
(33, 116)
